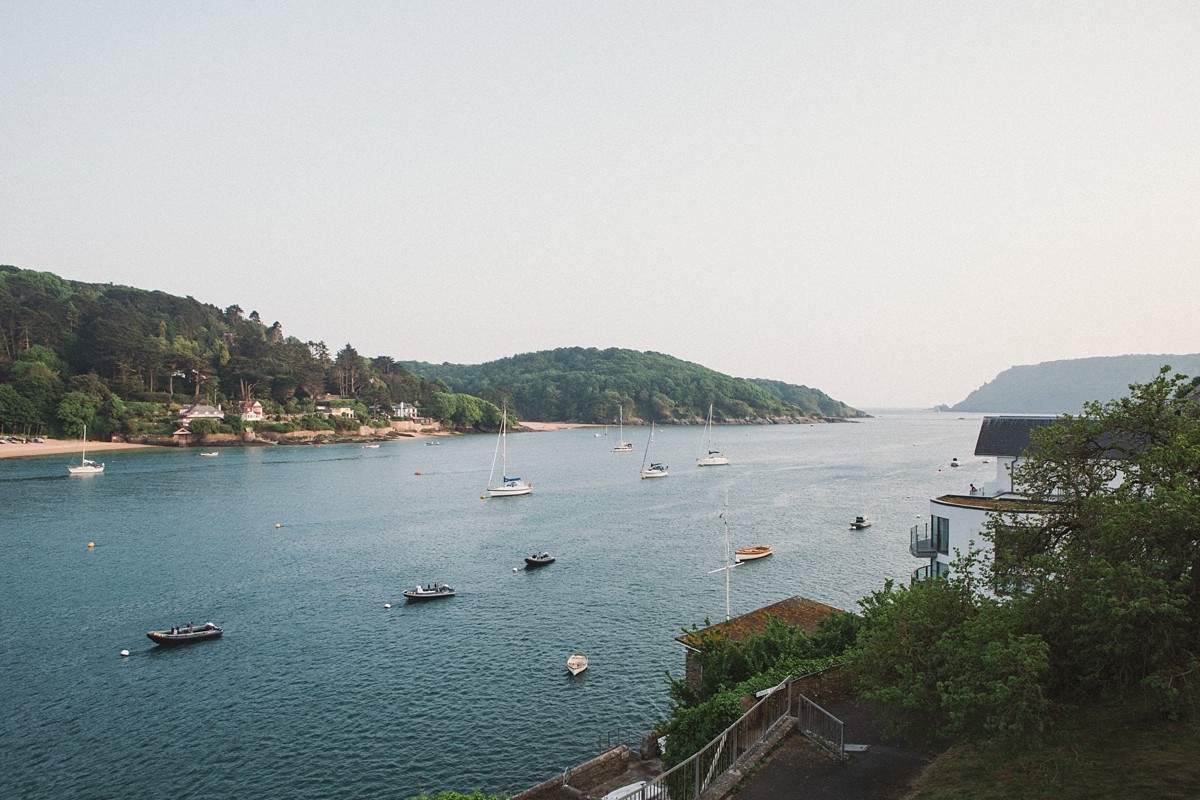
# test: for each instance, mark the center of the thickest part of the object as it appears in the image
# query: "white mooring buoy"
(124, 654)
(387, 605)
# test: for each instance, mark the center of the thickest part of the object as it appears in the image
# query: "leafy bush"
(946, 662)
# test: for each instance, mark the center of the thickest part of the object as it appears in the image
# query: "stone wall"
(582, 778)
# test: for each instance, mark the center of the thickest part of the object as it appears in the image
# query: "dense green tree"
(77, 410)
(1110, 573)
(203, 427)
(17, 413)
(949, 663)
(39, 384)
(464, 411)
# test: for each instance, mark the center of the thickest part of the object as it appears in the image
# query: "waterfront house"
(201, 411)
(251, 411)
(956, 521)
(404, 411)
(796, 610)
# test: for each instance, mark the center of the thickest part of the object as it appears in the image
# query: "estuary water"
(318, 690)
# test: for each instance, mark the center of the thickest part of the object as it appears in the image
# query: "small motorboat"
(538, 560)
(860, 523)
(210, 455)
(954, 462)
(751, 553)
(370, 447)
(186, 634)
(577, 663)
(431, 592)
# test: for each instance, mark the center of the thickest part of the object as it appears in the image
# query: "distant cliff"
(1062, 387)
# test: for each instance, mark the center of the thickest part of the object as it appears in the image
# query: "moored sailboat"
(622, 445)
(710, 457)
(507, 487)
(655, 469)
(85, 467)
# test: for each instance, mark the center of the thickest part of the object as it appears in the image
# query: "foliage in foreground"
(475, 795)
(1106, 599)
(949, 663)
(734, 669)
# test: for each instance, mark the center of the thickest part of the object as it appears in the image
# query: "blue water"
(317, 690)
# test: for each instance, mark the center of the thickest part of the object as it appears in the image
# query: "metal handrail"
(694, 775)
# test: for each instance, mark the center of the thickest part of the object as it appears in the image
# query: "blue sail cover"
(506, 480)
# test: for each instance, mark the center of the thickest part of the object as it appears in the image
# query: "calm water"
(317, 690)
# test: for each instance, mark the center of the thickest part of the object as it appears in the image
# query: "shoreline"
(54, 447)
(74, 447)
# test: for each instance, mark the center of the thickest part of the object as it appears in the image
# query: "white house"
(251, 411)
(341, 411)
(957, 520)
(404, 411)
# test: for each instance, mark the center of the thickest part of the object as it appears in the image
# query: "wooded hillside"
(76, 353)
(576, 384)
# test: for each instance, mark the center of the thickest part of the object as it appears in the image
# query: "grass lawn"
(1102, 752)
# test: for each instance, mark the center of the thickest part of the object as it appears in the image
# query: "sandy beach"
(556, 426)
(53, 447)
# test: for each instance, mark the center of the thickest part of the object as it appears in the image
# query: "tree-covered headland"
(577, 384)
(122, 361)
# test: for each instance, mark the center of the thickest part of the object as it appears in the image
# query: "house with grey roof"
(201, 411)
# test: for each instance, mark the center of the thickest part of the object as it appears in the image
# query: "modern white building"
(956, 521)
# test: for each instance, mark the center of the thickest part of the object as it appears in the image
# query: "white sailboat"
(710, 457)
(655, 469)
(85, 467)
(508, 487)
(622, 445)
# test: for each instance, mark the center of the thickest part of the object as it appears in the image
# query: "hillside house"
(201, 411)
(251, 411)
(404, 411)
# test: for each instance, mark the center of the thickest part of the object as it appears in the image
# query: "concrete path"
(797, 769)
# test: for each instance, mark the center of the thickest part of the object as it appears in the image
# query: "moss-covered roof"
(795, 610)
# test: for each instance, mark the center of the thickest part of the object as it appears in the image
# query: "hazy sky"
(891, 202)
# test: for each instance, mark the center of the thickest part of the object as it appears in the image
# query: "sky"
(891, 202)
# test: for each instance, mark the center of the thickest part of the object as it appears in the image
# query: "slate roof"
(1008, 436)
(795, 610)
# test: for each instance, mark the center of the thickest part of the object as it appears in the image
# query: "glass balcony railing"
(935, 570)
(920, 543)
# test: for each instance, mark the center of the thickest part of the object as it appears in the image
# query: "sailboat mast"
(728, 568)
(492, 472)
(646, 455)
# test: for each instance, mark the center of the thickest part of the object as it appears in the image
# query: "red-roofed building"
(796, 610)
(251, 411)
